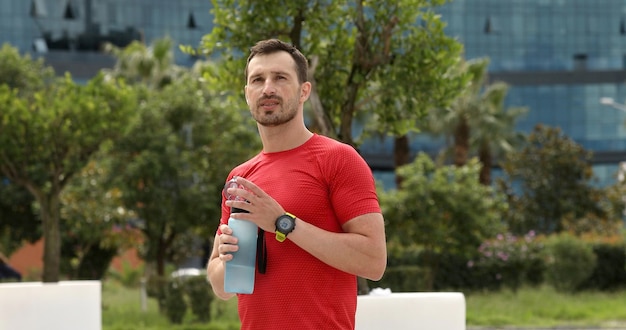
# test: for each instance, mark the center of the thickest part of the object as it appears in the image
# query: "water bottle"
(239, 272)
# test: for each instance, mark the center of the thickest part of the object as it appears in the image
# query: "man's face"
(272, 90)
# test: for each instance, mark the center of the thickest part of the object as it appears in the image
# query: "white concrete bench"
(70, 305)
(411, 310)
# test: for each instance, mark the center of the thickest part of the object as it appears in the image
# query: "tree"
(172, 165)
(550, 183)
(18, 219)
(476, 121)
(496, 134)
(95, 223)
(150, 66)
(388, 61)
(442, 209)
(48, 135)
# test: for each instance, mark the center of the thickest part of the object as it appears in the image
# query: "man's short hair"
(270, 46)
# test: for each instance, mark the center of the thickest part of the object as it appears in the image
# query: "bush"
(569, 262)
(610, 270)
(406, 278)
(129, 276)
(175, 305)
(509, 261)
(200, 297)
(157, 288)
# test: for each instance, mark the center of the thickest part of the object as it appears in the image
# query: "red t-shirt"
(325, 183)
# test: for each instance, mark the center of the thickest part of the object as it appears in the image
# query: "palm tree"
(477, 121)
(496, 133)
(152, 65)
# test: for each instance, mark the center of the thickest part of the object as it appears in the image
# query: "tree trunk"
(52, 236)
(321, 120)
(160, 258)
(401, 155)
(461, 143)
(484, 155)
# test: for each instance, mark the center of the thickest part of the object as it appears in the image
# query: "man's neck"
(283, 137)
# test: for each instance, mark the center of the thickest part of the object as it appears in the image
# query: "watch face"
(285, 223)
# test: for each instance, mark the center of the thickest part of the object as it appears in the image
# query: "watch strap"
(281, 236)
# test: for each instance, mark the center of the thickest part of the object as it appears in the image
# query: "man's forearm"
(215, 274)
(360, 251)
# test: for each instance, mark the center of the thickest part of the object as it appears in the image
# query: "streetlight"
(609, 101)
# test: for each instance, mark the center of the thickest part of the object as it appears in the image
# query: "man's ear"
(305, 91)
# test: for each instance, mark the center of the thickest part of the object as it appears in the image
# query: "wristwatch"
(285, 225)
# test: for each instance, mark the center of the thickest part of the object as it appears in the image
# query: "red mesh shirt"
(325, 183)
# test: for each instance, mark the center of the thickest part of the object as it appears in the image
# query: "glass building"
(560, 57)
(69, 33)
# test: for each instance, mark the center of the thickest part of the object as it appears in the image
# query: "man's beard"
(283, 114)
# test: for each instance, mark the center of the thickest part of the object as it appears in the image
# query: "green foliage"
(476, 122)
(200, 297)
(22, 72)
(407, 278)
(511, 261)
(94, 223)
(556, 191)
(442, 209)
(156, 287)
(569, 262)
(170, 167)
(49, 130)
(122, 310)
(175, 305)
(18, 218)
(176, 295)
(129, 276)
(610, 271)
(359, 54)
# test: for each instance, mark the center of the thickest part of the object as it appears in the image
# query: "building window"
(191, 22)
(70, 12)
(38, 9)
(580, 62)
(488, 26)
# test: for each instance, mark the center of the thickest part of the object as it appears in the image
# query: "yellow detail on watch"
(280, 236)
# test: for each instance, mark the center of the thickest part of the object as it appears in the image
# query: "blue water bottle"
(239, 272)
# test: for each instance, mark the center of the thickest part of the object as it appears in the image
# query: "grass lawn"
(537, 307)
(543, 307)
(121, 310)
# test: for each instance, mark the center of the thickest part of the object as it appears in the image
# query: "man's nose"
(269, 88)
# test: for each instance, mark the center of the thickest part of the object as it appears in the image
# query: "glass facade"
(560, 57)
(68, 25)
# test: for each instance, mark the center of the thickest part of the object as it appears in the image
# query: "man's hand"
(227, 243)
(262, 209)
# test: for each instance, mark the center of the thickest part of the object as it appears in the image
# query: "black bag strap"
(261, 251)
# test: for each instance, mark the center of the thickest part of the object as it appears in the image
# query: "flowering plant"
(510, 260)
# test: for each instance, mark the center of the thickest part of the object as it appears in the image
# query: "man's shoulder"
(331, 144)
(237, 170)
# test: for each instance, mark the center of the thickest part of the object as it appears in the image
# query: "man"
(337, 229)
